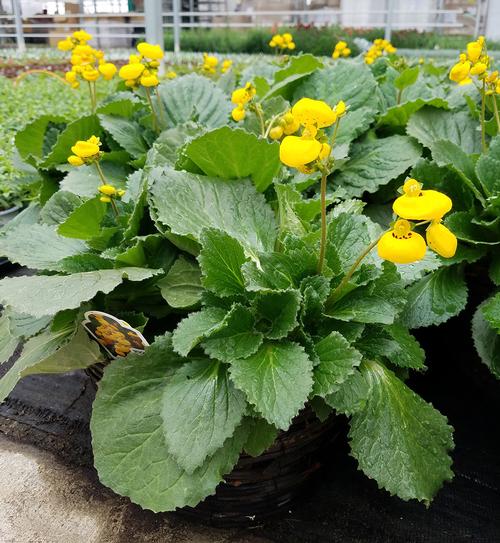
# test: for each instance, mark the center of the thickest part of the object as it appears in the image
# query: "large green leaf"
(81, 129)
(125, 132)
(181, 287)
(488, 167)
(486, 340)
(464, 224)
(351, 395)
(47, 294)
(277, 312)
(261, 437)
(337, 361)
(236, 339)
(400, 440)
(188, 203)
(8, 341)
(130, 452)
(375, 163)
(85, 181)
(221, 258)
(431, 124)
(491, 311)
(201, 409)
(38, 246)
(435, 298)
(277, 380)
(51, 352)
(194, 98)
(85, 221)
(165, 150)
(30, 139)
(232, 153)
(59, 206)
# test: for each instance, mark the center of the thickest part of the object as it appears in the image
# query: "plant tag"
(115, 336)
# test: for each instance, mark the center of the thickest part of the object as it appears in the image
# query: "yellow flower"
(325, 151)
(291, 46)
(287, 37)
(243, 95)
(105, 199)
(171, 75)
(291, 124)
(81, 35)
(460, 71)
(441, 240)
(313, 112)
(108, 190)
(90, 74)
(70, 77)
(149, 80)
(108, 70)
(238, 113)
(401, 245)
(276, 132)
(340, 109)
(478, 68)
(134, 59)
(210, 61)
(297, 151)
(75, 160)
(278, 40)
(86, 149)
(65, 45)
(474, 50)
(466, 81)
(226, 65)
(150, 51)
(346, 52)
(421, 205)
(131, 71)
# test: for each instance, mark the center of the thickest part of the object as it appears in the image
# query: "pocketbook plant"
(245, 226)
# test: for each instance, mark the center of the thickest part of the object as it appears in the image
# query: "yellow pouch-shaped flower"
(297, 152)
(150, 51)
(421, 205)
(108, 70)
(90, 74)
(75, 160)
(131, 71)
(441, 240)
(65, 45)
(460, 71)
(149, 80)
(81, 35)
(86, 149)
(401, 245)
(313, 112)
(474, 50)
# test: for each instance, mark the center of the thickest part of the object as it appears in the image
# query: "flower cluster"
(303, 152)
(211, 62)
(475, 62)
(109, 192)
(87, 63)
(142, 69)
(378, 48)
(282, 42)
(341, 50)
(402, 245)
(241, 97)
(85, 152)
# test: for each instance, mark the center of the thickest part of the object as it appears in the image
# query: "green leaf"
(26, 326)
(350, 397)
(50, 352)
(59, 206)
(152, 251)
(197, 326)
(188, 203)
(286, 78)
(491, 311)
(194, 98)
(81, 129)
(38, 246)
(486, 340)
(47, 294)
(165, 150)
(393, 342)
(232, 153)
(181, 287)
(463, 225)
(30, 139)
(85, 221)
(406, 78)
(277, 380)
(488, 166)
(124, 104)
(337, 361)
(375, 163)
(125, 132)
(345, 80)
(262, 435)
(8, 341)
(494, 270)
(129, 447)
(277, 312)
(221, 258)
(430, 125)
(236, 339)
(84, 181)
(201, 409)
(400, 440)
(380, 301)
(435, 298)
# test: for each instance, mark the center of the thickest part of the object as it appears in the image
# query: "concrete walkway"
(45, 501)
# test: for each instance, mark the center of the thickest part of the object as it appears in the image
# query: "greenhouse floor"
(49, 492)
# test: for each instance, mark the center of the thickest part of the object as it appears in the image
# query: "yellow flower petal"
(441, 240)
(150, 51)
(85, 149)
(426, 206)
(313, 112)
(108, 190)
(131, 71)
(296, 151)
(108, 70)
(401, 248)
(75, 160)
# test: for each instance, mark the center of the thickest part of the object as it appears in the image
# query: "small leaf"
(181, 287)
(351, 394)
(277, 312)
(277, 380)
(486, 340)
(406, 78)
(262, 435)
(85, 221)
(491, 311)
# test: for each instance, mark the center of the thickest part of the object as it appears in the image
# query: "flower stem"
(161, 109)
(258, 111)
(352, 269)
(92, 97)
(322, 247)
(335, 131)
(115, 209)
(100, 172)
(495, 109)
(483, 114)
(153, 112)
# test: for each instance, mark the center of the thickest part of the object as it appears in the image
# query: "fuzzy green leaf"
(181, 287)
(277, 312)
(8, 341)
(491, 311)
(126, 133)
(277, 380)
(400, 440)
(46, 295)
(486, 340)
(262, 435)
(350, 397)
(201, 409)
(59, 206)
(85, 221)
(435, 298)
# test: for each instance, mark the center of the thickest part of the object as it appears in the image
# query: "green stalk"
(100, 172)
(156, 127)
(483, 115)
(161, 109)
(322, 247)
(495, 109)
